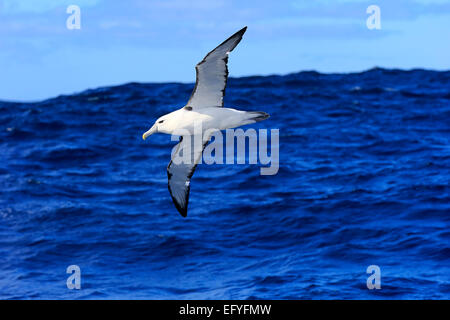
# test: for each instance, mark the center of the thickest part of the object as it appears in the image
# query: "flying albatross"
(205, 107)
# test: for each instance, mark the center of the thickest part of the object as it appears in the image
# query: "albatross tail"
(257, 116)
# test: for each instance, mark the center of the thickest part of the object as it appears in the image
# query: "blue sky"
(162, 40)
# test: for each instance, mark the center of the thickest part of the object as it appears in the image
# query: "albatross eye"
(161, 121)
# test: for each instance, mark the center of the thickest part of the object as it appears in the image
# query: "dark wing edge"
(188, 171)
(238, 37)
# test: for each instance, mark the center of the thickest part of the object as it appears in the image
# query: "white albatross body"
(209, 118)
(204, 110)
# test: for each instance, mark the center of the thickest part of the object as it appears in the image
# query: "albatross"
(205, 107)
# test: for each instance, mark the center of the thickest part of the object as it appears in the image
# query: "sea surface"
(363, 180)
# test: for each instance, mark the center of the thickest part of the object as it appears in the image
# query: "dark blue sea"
(363, 180)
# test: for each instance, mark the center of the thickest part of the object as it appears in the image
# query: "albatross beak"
(149, 132)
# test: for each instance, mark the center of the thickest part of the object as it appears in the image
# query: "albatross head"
(158, 126)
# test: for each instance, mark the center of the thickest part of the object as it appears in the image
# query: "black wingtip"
(240, 32)
(181, 210)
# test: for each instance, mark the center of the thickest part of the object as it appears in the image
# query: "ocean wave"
(363, 179)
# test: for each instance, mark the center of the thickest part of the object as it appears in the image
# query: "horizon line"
(230, 77)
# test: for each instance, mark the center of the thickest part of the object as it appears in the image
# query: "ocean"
(363, 179)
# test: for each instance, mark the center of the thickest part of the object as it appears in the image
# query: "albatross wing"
(212, 74)
(181, 168)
